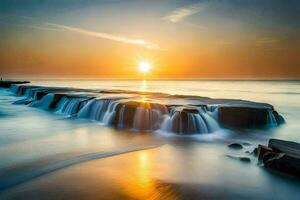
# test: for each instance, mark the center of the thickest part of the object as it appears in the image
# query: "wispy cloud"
(47, 26)
(140, 42)
(180, 14)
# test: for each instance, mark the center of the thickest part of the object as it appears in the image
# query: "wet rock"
(242, 159)
(7, 84)
(235, 146)
(40, 94)
(282, 156)
(55, 101)
(140, 115)
(245, 159)
(255, 151)
(262, 150)
(246, 117)
(182, 121)
(288, 147)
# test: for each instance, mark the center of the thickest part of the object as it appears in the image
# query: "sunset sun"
(144, 66)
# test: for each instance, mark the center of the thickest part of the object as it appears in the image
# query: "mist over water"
(35, 142)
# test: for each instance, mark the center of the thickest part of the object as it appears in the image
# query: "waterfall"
(70, 105)
(110, 113)
(98, 110)
(139, 115)
(272, 122)
(147, 119)
(182, 120)
(147, 115)
(14, 88)
(45, 102)
(211, 120)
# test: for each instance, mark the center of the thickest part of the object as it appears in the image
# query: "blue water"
(35, 142)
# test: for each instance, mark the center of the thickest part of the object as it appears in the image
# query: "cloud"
(180, 14)
(47, 26)
(134, 41)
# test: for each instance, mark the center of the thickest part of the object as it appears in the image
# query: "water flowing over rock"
(139, 115)
(141, 111)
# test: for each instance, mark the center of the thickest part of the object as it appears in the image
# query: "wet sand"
(170, 171)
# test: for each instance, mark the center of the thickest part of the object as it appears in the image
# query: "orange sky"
(198, 39)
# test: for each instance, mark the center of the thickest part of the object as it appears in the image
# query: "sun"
(144, 66)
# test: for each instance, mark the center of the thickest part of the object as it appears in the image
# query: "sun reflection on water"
(144, 85)
(140, 184)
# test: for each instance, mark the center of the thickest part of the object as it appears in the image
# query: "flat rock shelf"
(145, 111)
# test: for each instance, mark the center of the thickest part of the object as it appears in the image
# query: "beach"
(49, 155)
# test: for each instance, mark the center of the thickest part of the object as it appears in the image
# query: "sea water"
(35, 142)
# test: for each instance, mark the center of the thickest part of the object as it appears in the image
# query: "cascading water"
(147, 119)
(271, 119)
(69, 105)
(182, 120)
(14, 88)
(98, 110)
(45, 102)
(148, 115)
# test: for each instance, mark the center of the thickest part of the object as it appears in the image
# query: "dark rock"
(282, 156)
(245, 159)
(288, 147)
(242, 159)
(235, 146)
(247, 117)
(40, 94)
(243, 117)
(56, 99)
(262, 150)
(7, 84)
(255, 151)
(125, 114)
(283, 163)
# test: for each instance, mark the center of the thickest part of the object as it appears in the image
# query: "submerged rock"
(241, 158)
(235, 146)
(282, 156)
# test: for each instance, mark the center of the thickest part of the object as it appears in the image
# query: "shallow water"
(37, 147)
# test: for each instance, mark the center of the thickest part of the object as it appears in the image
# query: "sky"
(181, 39)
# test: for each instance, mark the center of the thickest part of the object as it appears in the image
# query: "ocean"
(45, 152)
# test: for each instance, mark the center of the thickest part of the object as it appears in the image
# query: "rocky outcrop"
(282, 156)
(248, 116)
(7, 84)
(150, 111)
